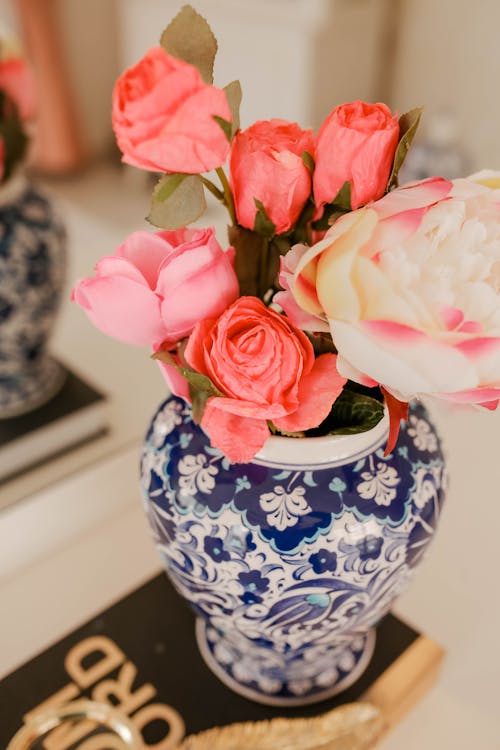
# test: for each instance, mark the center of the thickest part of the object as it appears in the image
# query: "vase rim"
(325, 451)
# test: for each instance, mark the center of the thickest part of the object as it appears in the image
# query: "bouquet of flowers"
(17, 109)
(340, 291)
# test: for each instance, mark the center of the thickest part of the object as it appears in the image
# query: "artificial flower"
(410, 288)
(355, 144)
(163, 116)
(265, 369)
(157, 286)
(267, 165)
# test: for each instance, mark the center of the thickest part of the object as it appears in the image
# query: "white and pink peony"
(410, 288)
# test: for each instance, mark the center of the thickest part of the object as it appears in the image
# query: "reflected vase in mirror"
(289, 561)
(32, 275)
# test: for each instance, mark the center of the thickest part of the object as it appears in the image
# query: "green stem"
(264, 260)
(213, 189)
(227, 194)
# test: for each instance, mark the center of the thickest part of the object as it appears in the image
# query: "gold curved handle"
(126, 736)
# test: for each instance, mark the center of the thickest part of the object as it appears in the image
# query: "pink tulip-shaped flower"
(266, 370)
(157, 286)
(356, 144)
(163, 116)
(410, 287)
(266, 164)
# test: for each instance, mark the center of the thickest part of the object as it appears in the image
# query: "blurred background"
(295, 59)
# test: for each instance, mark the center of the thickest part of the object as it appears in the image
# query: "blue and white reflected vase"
(32, 276)
(290, 561)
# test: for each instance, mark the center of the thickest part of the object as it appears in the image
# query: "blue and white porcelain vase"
(32, 275)
(290, 561)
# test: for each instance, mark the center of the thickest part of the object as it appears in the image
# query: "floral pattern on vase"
(32, 274)
(288, 569)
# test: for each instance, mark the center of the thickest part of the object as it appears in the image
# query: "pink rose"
(266, 370)
(410, 288)
(16, 80)
(156, 287)
(356, 144)
(266, 164)
(163, 116)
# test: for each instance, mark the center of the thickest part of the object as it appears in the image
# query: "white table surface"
(72, 547)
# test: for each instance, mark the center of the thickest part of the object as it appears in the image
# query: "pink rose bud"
(17, 82)
(156, 287)
(356, 144)
(266, 164)
(163, 116)
(265, 368)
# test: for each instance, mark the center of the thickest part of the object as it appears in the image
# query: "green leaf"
(225, 125)
(342, 200)
(201, 389)
(198, 403)
(233, 95)
(408, 124)
(308, 161)
(190, 38)
(167, 185)
(263, 224)
(354, 412)
(341, 204)
(177, 200)
(199, 382)
(166, 357)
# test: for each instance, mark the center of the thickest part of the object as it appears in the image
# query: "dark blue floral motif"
(323, 561)
(369, 547)
(253, 581)
(376, 487)
(214, 546)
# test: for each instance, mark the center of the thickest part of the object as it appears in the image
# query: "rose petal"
(318, 391)
(121, 308)
(238, 437)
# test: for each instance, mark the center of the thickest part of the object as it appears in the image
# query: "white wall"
(448, 57)
(295, 59)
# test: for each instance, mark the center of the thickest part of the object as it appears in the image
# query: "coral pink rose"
(410, 287)
(356, 144)
(163, 116)
(266, 370)
(266, 164)
(156, 287)
(16, 80)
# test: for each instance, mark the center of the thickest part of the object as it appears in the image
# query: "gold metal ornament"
(355, 726)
